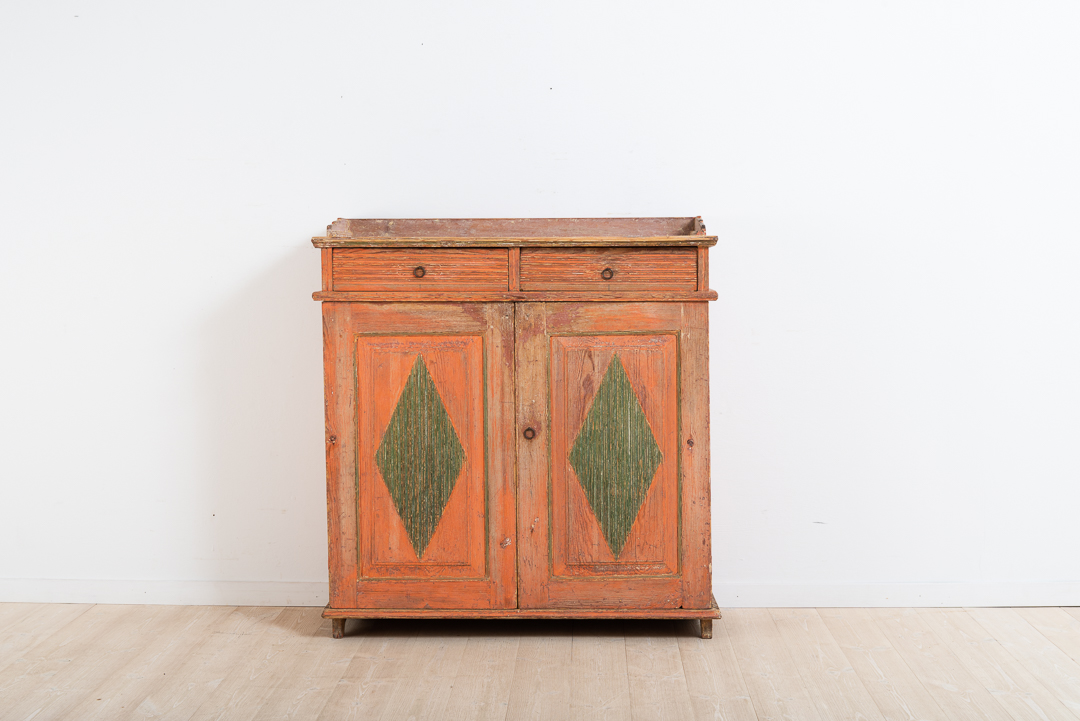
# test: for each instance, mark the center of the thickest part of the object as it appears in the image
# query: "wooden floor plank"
(940, 672)
(540, 689)
(176, 631)
(1053, 667)
(1014, 687)
(247, 686)
(366, 687)
(897, 692)
(599, 685)
(1059, 627)
(316, 666)
(654, 669)
(713, 678)
(28, 630)
(767, 669)
(184, 663)
(59, 673)
(481, 686)
(831, 681)
(237, 637)
(425, 679)
(13, 613)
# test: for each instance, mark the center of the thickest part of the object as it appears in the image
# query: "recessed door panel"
(420, 466)
(612, 489)
(421, 420)
(614, 463)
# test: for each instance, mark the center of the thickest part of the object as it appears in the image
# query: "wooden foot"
(706, 628)
(337, 627)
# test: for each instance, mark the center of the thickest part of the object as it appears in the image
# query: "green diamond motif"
(615, 456)
(420, 457)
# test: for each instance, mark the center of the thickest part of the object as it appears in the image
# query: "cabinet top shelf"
(497, 232)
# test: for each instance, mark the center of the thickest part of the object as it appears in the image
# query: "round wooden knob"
(419, 271)
(529, 434)
(607, 274)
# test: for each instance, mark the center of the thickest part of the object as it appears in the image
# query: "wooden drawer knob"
(607, 274)
(419, 271)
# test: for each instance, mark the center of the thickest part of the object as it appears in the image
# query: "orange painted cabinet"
(517, 418)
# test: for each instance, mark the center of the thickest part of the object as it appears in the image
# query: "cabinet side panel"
(340, 444)
(694, 442)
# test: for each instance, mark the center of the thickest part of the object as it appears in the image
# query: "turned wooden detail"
(517, 418)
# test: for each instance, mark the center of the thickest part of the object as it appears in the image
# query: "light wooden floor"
(217, 662)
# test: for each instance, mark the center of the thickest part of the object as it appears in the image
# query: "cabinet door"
(419, 455)
(613, 475)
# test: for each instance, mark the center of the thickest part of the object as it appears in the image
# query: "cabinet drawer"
(361, 269)
(609, 269)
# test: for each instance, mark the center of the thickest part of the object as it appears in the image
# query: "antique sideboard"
(517, 418)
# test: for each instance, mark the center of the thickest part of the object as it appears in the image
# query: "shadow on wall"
(263, 494)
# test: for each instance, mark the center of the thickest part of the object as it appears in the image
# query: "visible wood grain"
(599, 682)
(695, 448)
(160, 662)
(835, 689)
(594, 296)
(951, 685)
(583, 612)
(1054, 668)
(47, 685)
(354, 394)
(248, 687)
(29, 624)
(772, 678)
(220, 654)
(454, 365)
(540, 689)
(424, 678)
(313, 669)
(373, 674)
(702, 268)
(653, 663)
(540, 585)
(1058, 626)
(327, 269)
(178, 631)
(713, 678)
(337, 628)
(484, 674)
(630, 269)
(515, 269)
(897, 692)
(577, 366)
(652, 241)
(372, 269)
(1013, 686)
(509, 227)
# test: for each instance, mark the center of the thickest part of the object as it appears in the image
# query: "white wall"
(896, 348)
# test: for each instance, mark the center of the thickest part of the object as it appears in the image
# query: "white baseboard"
(837, 595)
(728, 595)
(182, 593)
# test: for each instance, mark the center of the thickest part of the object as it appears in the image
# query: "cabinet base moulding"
(563, 613)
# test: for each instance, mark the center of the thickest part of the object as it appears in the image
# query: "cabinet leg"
(337, 627)
(706, 628)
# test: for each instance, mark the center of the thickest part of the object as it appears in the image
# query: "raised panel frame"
(343, 325)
